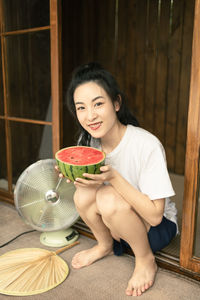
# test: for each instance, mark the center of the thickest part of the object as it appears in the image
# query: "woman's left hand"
(107, 174)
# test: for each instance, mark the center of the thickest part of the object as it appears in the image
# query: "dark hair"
(94, 72)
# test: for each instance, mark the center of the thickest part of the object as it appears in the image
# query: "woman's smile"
(95, 126)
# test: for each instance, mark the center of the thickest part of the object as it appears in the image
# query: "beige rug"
(104, 280)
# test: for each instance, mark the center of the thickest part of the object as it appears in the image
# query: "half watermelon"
(76, 160)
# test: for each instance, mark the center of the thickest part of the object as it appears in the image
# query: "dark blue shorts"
(159, 237)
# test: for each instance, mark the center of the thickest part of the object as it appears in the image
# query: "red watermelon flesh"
(80, 156)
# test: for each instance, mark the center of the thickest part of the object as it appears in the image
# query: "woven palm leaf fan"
(45, 202)
(32, 271)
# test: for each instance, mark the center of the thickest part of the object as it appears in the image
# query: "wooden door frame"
(56, 73)
(187, 258)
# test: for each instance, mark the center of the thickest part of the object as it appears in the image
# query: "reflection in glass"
(25, 14)
(197, 225)
(28, 75)
(30, 143)
(1, 86)
(3, 164)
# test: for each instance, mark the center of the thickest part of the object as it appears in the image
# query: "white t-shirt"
(140, 159)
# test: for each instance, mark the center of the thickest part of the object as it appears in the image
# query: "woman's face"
(95, 110)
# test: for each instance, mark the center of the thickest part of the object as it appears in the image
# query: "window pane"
(1, 86)
(28, 75)
(30, 143)
(25, 14)
(3, 164)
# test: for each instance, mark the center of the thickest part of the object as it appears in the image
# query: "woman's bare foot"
(87, 257)
(143, 276)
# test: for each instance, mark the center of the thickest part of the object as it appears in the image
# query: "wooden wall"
(146, 44)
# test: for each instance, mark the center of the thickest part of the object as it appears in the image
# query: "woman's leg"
(85, 201)
(125, 223)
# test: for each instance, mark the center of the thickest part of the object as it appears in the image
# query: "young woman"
(127, 205)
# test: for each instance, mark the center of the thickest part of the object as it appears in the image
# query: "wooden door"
(190, 238)
(30, 86)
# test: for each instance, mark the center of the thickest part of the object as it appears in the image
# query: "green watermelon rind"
(74, 171)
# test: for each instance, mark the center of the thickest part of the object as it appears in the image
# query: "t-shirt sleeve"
(154, 179)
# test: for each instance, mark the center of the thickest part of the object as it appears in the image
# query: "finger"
(86, 182)
(80, 184)
(105, 168)
(96, 177)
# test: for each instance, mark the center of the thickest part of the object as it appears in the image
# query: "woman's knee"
(109, 202)
(83, 199)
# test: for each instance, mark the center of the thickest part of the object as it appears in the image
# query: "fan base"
(59, 238)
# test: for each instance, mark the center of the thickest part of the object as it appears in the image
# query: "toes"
(146, 286)
(150, 283)
(134, 290)
(134, 293)
(128, 292)
(143, 288)
(129, 289)
(137, 292)
(75, 265)
(75, 262)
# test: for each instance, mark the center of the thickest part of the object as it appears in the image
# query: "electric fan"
(45, 202)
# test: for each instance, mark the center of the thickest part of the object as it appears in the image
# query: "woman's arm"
(150, 210)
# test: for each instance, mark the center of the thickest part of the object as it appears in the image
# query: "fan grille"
(43, 199)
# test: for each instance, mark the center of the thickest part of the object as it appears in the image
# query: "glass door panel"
(30, 107)
(3, 164)
(25, 14)
(29, 143)
(29, 75)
